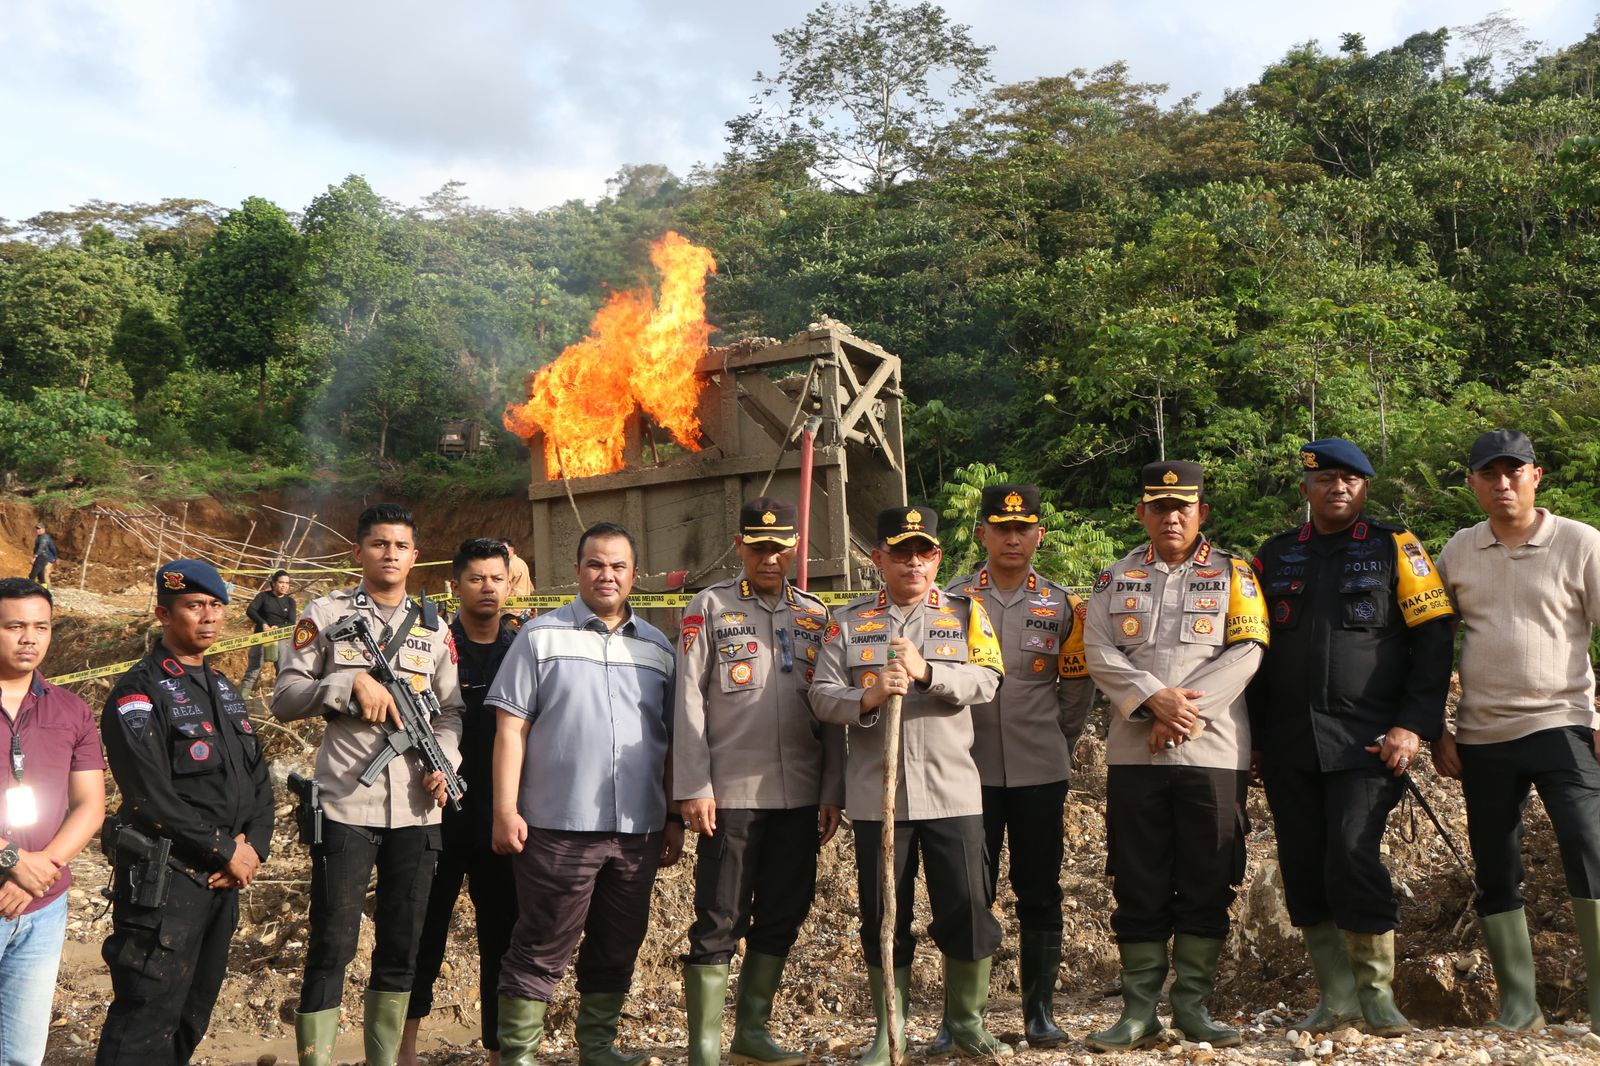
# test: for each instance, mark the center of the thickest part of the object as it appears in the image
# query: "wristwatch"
(8, 858)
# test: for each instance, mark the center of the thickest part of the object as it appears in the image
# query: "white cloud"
(529, 103)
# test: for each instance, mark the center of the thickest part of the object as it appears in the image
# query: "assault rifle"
(416, 711)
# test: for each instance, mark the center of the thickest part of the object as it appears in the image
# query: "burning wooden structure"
(758, 402)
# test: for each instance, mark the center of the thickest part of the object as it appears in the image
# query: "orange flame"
(640, 353)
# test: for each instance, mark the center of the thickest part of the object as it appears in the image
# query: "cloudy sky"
(532, 102)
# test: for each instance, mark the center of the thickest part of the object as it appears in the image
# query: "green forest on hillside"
(1400, 246)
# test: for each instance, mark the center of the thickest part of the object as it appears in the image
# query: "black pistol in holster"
(416, 711)
(142, 870)
(308, 815)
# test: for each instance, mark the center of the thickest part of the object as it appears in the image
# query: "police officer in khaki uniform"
(756, 777)
(1023, 738)
(1175, 631)
(938, 651)
(392, 823)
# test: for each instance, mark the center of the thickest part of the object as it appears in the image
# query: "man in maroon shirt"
(54, 801)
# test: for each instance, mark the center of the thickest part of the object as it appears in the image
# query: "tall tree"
(867, 90)
(241, 301)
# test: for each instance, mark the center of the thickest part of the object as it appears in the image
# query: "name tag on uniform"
(22, 809)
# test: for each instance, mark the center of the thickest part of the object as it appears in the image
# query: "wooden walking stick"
(891, 785)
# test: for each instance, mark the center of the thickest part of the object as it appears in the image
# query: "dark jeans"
(494, 906)
(167, 965)
(753, 881)
(1329, 826)
(1495, 781)
(959, 883)
(570, 885)
(1175, 849)
(341, 867)
(1031, 817)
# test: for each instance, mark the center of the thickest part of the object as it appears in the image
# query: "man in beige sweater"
(1526, 584)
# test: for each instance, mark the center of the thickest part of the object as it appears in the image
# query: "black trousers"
(753, 881)
(341, 867)
(959, 882)
(1329, 826)
(1175, 849)
(1496, 780)
(493, 890)
(1030, 817)
(167, 965)
(571, 885)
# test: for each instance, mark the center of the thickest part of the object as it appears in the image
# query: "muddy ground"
(1444, 980)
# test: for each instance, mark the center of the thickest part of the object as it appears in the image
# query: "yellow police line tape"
(249, 640)
(326, 569)
(267, 636)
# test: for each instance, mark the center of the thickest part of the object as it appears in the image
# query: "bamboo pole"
(83, 571)
(886, 885)
(161, 527)
(239, 562)
(309, 523)
(183, 533)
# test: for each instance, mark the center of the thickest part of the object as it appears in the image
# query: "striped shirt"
(601, 707)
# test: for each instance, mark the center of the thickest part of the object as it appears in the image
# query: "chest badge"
(199, 751)
(1038, 666)
(1131, 626)
(733, 617)
(741, 673)
(1203, 626)
(868, 655)
(868, 627)
(1131, 603)
(1136, 574)
(1206, 603)
(869, 679)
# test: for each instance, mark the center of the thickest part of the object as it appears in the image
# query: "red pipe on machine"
(808, 438)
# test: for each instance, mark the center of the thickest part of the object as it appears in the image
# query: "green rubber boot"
(1040, 957)
(314, 1036)
(1506, 936)
(521, 1030)
(1337, 982)
(1586, 913)
(1144, 969)
(596, 1031)
(1372, 964)
(752, 1009)
(943, 1043)
(383, 1016)
(878, 1053)
(966, 993)
(705, 993)
(1194, 964)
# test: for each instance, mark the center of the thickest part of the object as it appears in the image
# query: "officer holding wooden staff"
(756, 776)
(938, 651)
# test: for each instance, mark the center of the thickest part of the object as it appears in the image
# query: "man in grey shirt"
(581, 759)
(1526, 584)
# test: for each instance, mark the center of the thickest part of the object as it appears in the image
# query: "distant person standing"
(273, 608)
(519, 582)
(1527, 585)
(44, 556)
(55, 800)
